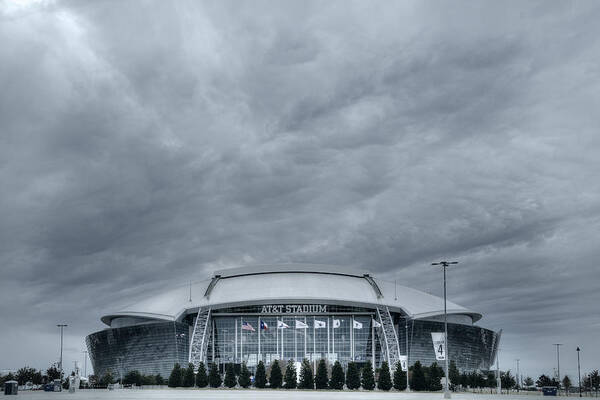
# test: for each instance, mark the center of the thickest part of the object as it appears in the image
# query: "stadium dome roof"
(290, 283)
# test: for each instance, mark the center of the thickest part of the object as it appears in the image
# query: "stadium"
(289, 311)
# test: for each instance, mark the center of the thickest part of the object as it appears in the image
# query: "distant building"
(290, 311)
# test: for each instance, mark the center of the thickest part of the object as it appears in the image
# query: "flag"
(357, 325)
(320, 324)
(439, 345)
(301, 325)
(247, 327)
(282, 325)
(375, 323)
(263, 325)
(336, 323)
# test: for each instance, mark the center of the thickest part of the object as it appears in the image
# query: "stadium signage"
(294, 308)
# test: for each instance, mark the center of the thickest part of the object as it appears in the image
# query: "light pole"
(558, 362)
(444, 265)
(406, 334)
(579, 371)
(61, 326)
(518, 377)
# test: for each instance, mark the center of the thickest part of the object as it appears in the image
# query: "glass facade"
(470, 347)
(247, 335)
(149, 348)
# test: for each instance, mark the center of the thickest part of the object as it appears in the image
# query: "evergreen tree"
(321, 379)
(133, 378)
(454, 375)
(229, 380)
(399, 377)
(417, 382)
(307, 380)
(507, 380)
(214, 378)
(384, 382)
(176, 376)
(566, 382)
(337, 377)
(201, 378)
(275, 378)
(260, 378)
(352, 376)
(159, 379)
(491, 381)
(368, 377)
(188, 376)
(433, 377)
(107, 379)
(244, 378)
(290, 376)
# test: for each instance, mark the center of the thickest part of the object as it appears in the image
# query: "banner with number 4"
(439, 345)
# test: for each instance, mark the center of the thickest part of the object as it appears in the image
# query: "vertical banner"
(404, 363)
(439, 345)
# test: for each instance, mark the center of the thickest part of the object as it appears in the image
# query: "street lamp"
(85, 355)
(444, 265)
(518, 376)
(61, 326)
(579, 371)
(558, 361)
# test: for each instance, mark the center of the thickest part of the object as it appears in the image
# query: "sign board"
(439, 345)
(294, 309)
(404, 363)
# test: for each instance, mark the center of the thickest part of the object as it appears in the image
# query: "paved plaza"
(260, 394)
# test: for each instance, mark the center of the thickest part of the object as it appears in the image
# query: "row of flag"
(301, 325)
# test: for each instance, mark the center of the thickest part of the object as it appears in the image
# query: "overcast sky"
(144, 144)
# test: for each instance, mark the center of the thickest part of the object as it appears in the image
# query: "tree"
(454, 375)
(133, 378)
(399, 377)
(507, 380)
(384, 382)
(290, 376)
(566, 382)
(337, 377)
(491, 380)
(25, 375)
(417, 382)
(275, 377)
(53, 373)
(189, 379)
(176, 376)
(306, 376)
(528, 381)
(260, 377)
(230, 381)
(159, 379)
(433, 377)
(201, 378)
(595, 380)
(244, 378)
(107, 379)
(321, 378)
(367, 377)
(352, 376)
(214, 378)
(148, 380)
(542, 381)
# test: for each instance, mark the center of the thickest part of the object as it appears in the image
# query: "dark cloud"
(144, 144)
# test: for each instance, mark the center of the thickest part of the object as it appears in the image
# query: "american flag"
(246, 326)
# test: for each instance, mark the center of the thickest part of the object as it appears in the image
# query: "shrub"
(188, 376)
(321, 379)
(230, 381)
(201, 378)
(133, 378)
(434, 375)
(352, 376)
(176, 376)
(159, 379)
(418, 377)
(260, 378)
(290, 376)
(385, 380)
(367, 377)
(337, 377)
(244, 378)
(214, 378)
(399, 377)
(307, 380)
(275, 377)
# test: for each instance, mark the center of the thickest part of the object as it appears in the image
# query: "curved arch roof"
(290, 283)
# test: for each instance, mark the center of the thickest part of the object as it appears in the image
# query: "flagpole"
(258, 352)
(314, 346)
(236, 346)
(277, 336)
(328, 352)
(295, 340)
(373, 342)
(305, 326)
(352, 338)
(333, 338)
(241, 341)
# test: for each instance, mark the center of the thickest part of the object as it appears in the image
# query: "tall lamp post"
(579, 371)
(444, 265)
(558, 362)
(85, 355)
(518, 376)
(61, 326)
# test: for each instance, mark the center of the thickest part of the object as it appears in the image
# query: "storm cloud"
(144, 144)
